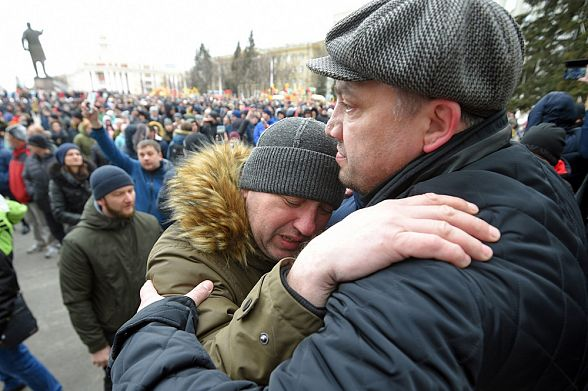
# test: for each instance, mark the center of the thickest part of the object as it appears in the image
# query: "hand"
(149, 295)
(425, 226)
(92, 116)
(250, 115)
(100, 358)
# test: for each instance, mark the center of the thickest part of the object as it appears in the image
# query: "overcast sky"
(154, 32)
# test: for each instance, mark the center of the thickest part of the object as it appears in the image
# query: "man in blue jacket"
(147, 172)
(422, 87)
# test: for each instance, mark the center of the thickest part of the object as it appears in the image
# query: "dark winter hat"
(469, 51)
(107, 179)
(19, 132)
(295, 157)
(62, 151)
(545, 140)
(38, 141)
(194, 142)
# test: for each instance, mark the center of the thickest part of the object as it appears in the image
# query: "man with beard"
(102, 263)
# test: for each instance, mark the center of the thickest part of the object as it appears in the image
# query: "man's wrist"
(313, 285)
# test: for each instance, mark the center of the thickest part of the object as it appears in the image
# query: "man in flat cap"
(422, 87)
(103, 261)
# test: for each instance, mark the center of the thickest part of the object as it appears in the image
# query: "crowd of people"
(395, 238)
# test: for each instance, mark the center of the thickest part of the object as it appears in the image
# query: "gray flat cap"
(468, 51)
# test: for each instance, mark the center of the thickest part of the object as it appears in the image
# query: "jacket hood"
(556, 107)
(206, 202)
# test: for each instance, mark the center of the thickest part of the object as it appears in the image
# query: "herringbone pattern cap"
(469, 51)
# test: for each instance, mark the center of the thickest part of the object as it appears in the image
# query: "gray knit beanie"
(295, 157)
(468, 51)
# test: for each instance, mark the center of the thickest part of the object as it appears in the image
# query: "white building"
(127, 78)
(112, 72)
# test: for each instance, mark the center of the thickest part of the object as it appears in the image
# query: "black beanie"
(295, 157)
(107, 179)
(39, 141)
(545, 140)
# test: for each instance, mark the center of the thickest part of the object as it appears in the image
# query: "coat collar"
(208, 206)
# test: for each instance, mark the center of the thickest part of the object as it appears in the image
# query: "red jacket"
(15, 180)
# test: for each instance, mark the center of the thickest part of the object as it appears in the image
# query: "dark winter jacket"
(67, 194)
(560, 109)
(147, 183)
(36, 176)
(13, 213)
(556, 107)
(101, 270)
(5, 157)
(8, 289)
(516, 322)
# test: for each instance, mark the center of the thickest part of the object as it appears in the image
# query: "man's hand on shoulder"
(427, 226)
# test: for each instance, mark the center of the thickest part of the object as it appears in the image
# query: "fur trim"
(206, 202)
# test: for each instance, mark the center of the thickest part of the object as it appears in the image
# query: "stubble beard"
(118, 214)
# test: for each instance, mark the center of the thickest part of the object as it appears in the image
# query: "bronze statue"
(34, 47)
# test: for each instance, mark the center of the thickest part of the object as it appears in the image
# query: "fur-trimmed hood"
(206, 202)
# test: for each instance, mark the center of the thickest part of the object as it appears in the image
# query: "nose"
(334, 127)
(305, 222)
(129, 196)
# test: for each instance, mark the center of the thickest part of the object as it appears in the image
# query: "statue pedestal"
(44, 83)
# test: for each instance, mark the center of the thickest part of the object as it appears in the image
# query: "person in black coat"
(69, 187)
(425, 118)
(36, 178)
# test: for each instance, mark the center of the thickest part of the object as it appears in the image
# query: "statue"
(34, 47)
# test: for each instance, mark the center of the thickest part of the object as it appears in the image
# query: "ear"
(244, 193)
(100, 202)
(444, 118)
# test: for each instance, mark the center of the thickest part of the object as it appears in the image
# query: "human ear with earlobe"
(444, 116)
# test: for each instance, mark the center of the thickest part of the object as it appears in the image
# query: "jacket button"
(247, 304)
(263, 338)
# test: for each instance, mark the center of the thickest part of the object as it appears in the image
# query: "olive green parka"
(101, 270)
(250, 323)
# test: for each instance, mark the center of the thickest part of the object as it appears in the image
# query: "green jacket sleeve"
(75, 278)
(16, 211)
(263, 332)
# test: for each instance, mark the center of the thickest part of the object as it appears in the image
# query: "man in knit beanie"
(422, 87)
(102, 263)
(242, 213)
